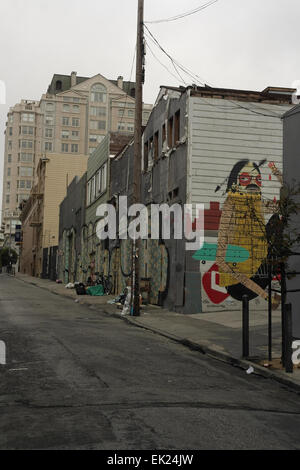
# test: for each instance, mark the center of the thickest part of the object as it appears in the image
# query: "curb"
(203, 349)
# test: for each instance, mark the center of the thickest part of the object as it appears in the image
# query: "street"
(77, 378)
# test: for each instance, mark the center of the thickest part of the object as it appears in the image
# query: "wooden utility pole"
(138, 144)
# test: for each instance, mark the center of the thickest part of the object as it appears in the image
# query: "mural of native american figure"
(241, 251)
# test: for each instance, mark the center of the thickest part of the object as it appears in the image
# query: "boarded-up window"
(145, 156)
(156, 146)
(170, 132)
(177, 127)
(164, 135)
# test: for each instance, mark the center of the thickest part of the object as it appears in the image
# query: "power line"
(195, 77)
(163, 65)
(121, 121)
(198, 79)
(183, 15)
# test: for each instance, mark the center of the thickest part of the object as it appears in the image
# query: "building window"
(164, 135)
(97, 111)
(25, 171)
(58, 85)
(9, 145)
(76, 100)
(65, 121)
(21, 184)
(49, 133)
(7, 199)
(8, 185)
(27, 130)
(8, 171)
(49, 120)
(26, 144)
(25, 157)
(75, 134)
(88, 193)
(65, 134)
(27, 117)
(170, 133)
(98, 125)
(150, 151)
(102, 178)
(131, 113)
(48, 146)
(66, 108)
(9, 158)
(22, 197)
(93, 187)
(121, 126)
(177, 127)
(74, 148)
(10, 131)
(75, 122)
(98, 93)
(10, 118)
(28, 184)
(155, 146)
(64, 147)
(146, 150)
(76, 108)
(130, 128)
(49, 106)
(93, 138)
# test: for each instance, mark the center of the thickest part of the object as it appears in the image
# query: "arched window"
(98, 93)
(58, 85)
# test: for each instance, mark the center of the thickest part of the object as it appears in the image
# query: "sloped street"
(79, 379)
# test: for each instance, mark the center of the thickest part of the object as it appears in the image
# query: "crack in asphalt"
(141, 405)
(91, 372)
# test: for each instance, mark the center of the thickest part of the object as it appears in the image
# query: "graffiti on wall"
(237, 252)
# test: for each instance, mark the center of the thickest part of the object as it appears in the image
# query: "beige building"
(71, 119)
(22, 150)
(79, 112)
(40, 213)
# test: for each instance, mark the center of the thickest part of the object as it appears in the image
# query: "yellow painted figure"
(242, 224)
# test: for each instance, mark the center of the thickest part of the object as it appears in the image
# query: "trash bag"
(70, 285)
(95, 290)
(80, 289)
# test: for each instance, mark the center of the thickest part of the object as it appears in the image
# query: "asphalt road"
(77, 378)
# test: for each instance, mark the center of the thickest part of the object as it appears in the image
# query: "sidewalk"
(218, 335)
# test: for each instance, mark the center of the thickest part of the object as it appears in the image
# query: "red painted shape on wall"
(210, 282)
(211, 217)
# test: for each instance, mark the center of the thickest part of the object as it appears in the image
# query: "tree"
(8, 256)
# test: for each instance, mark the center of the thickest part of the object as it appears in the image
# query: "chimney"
(120, 82)
(73, 78)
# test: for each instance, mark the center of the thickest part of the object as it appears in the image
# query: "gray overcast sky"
(233, 43)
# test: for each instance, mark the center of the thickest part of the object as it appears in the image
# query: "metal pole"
(245, 326)
(270, 316)
(138, 142)
(283, 300)
(288, 339)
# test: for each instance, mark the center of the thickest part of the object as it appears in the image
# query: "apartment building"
(22, 149)
(80, 111)
(72, 118)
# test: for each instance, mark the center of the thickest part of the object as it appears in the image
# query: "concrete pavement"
(215, 334)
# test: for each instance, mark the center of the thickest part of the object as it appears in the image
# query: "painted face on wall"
(249, 179)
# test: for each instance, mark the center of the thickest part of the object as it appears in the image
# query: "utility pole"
(139, 80)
